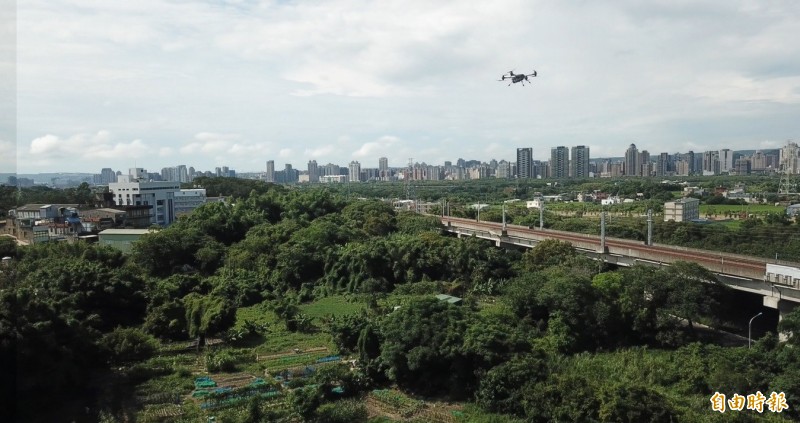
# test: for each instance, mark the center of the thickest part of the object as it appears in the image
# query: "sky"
(235, 83)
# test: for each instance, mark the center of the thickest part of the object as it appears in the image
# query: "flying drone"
(517, 77)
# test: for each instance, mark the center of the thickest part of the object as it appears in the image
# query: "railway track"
(667, 254)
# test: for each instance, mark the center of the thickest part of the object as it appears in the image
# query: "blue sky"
(237, 83)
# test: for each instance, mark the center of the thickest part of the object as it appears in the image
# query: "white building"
(132, 191)
(328, 179)
(186, 200)
(683, 210)
(725, 160)
(355, 171)
(783, 275)
(535, 203)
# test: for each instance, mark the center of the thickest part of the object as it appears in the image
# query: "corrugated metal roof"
(125, 232)
(449, 298)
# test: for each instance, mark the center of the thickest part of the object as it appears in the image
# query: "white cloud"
(97, 146)
(237, 83)
(381, 147)
(323, 151)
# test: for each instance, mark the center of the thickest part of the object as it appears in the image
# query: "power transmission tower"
(787, 185)
(787, 167)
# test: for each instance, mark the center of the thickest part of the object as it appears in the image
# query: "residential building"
(183, 173)
(725, 160)
(107, 176)
(742, 166)
(758, 162)
(711, 163)
(631, 161)
(579, 164)
(331, 169)
(270, 175)
(313, 171)
(663, 165)
(644, 163)
(383, 169)
(683, 210)
(790, 158)
(355, 171)
(503, 170)
(524, 163)
(559, 162)
(683, 168)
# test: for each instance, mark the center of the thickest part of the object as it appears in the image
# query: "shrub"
(128, 344)
(344, 411)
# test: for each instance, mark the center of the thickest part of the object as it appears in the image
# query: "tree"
(548, 253)
(177, 249)
(634, 403)
(376, 218)
(8, 247)
(305, 402)
(692, 291)
(502, 388)
(128, 344)
(422, 346)
(790, 326)
(207, 315)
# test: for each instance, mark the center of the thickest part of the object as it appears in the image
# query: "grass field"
(753, 208)
(730, 224)
(336, 305)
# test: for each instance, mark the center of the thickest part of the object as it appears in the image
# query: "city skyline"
(241, 83)
(383, 160)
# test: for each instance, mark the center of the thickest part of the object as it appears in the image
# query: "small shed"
(121, 239)
(793, 210)
(450, 299)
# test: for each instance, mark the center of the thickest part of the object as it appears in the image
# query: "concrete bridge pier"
(784, 307)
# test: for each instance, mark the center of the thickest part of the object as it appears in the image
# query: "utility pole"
(750, 329)
(603, 232)
(504, 217)
(541, 212)
(649, 226)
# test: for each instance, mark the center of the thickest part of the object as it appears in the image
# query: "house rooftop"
(125, 232)
(36, 207)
